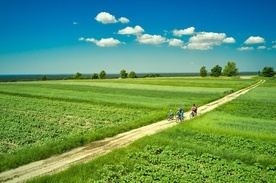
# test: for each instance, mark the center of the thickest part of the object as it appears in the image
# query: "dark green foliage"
(230, 69)
(227, 92)
(95, 76)
(43, 77)
(123, 74)
(203, 71)
(216, 71)
(132, 74)
(268, 72)
(151, 75)
(102, 74)
(79, 76)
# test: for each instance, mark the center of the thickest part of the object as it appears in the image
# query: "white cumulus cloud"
(229, 40)
(175, 42)
(274, 46)
(199, 46)
(151, 39)
(205, 41)
(81, 39)
(104, 42)
(137, 30)
(106, 18)
(188, 31)
(254, 40)
(208, 37)
(261, 47)
(246, 48)
(123, 20)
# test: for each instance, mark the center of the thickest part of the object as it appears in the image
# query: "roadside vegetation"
(43, 118)
(233, 143)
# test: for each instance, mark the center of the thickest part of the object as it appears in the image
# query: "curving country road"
(101, 147)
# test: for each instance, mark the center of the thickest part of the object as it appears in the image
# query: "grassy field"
(233, 143)
(39, 119)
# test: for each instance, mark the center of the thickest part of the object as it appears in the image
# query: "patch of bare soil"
(101, 147)
(246, 77)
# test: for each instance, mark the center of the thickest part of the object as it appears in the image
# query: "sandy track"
(101, 147)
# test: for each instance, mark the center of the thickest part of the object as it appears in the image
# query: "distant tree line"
(231, 70)
(101, 75)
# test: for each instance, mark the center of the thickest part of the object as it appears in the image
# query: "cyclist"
(194, 110)
(180, 113)
(170, 115)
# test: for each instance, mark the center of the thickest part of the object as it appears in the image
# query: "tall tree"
(203, 72)
(132, 74)
(216, 71)
(43, 77)
(123, 73)
(102, 74)
(78, 76)
(268, 72)
(230, 69)
(94, 76)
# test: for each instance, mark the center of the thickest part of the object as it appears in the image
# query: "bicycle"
(179, 118)
(171, 118)
(193, 114)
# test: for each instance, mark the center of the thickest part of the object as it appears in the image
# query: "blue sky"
(64, 37)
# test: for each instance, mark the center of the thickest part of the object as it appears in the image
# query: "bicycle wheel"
(177, 119)
(192, 115)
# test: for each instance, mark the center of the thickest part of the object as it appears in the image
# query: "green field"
(233, 143)
(39, 119)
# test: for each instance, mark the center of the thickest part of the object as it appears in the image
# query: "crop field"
(42, 118)
(233, 143)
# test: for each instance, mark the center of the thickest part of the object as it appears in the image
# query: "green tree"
(203, 72)
(123, 73)
(268, 72)
(95, 76)
(230, 69)
(216, 71)
(132, 74)
(102, 74)
(43, 78)
(78, 75)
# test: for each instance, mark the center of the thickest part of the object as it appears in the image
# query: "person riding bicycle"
(194, 109)
(180, 113)
(170, 114)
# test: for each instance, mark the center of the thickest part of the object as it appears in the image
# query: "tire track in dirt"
(86, 153)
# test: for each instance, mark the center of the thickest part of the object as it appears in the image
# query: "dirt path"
(98, 148)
